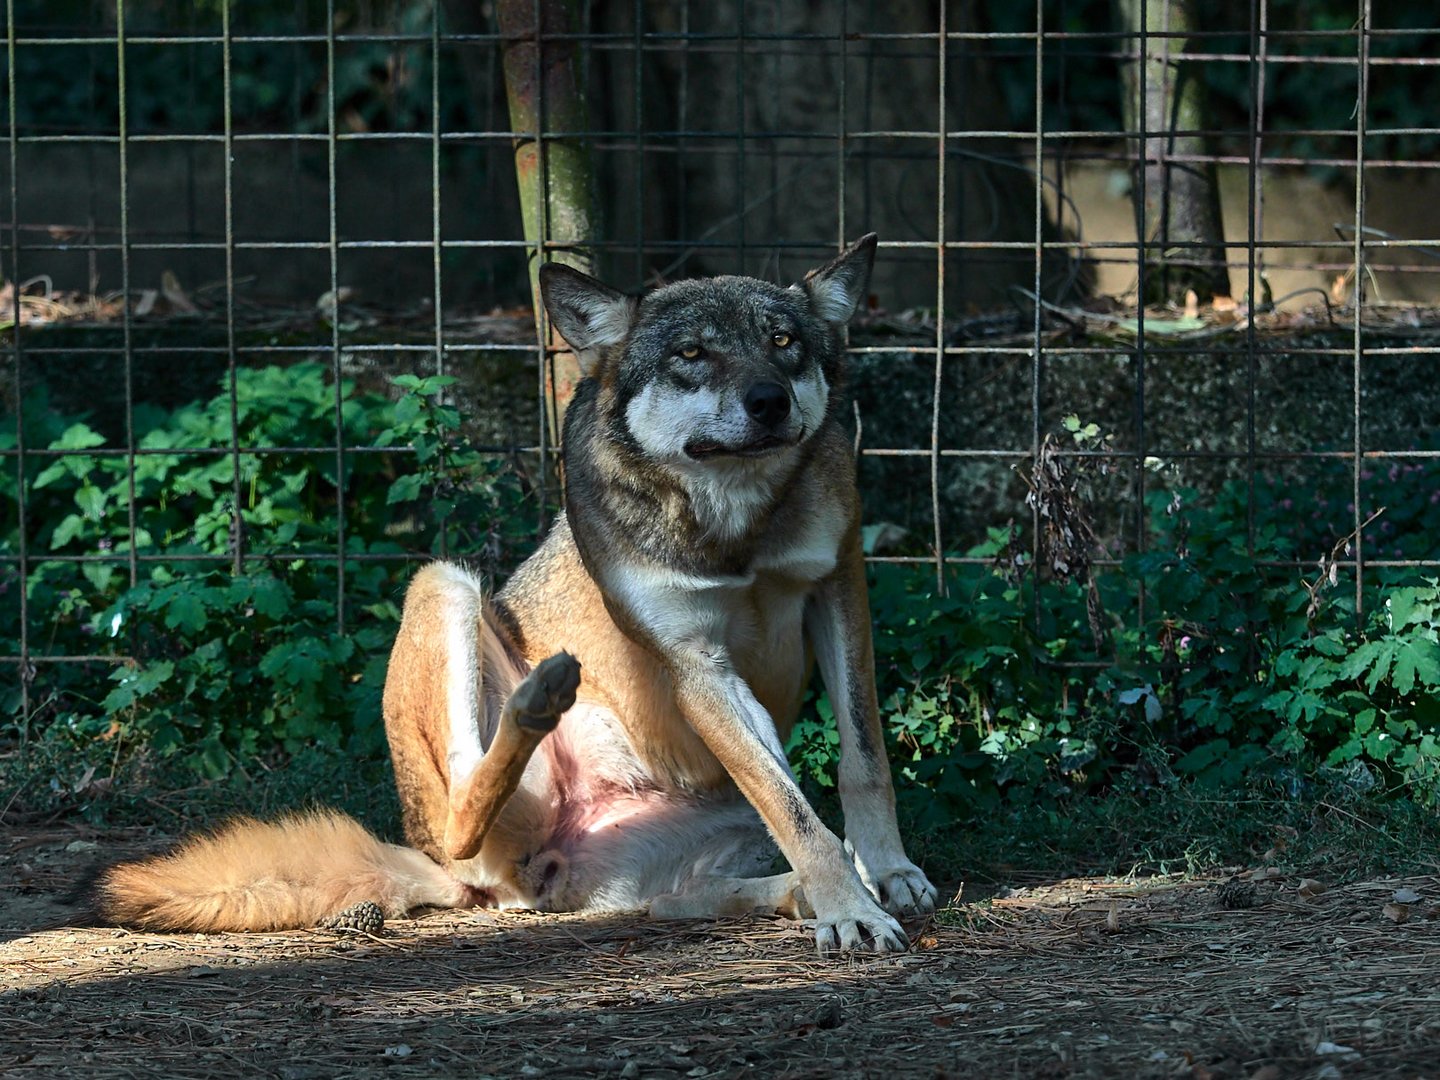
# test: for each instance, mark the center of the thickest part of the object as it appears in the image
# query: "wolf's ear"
(589, 314)
(837, 288)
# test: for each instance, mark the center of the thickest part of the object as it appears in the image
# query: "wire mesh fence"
(199, 193)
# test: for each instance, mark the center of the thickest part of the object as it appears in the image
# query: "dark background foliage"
(1194, 649)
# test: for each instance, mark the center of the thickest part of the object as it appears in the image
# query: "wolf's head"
(707, 373)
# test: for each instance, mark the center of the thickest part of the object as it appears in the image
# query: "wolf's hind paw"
(546, 693)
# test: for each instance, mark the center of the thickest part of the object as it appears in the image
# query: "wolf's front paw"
(859, 926)
(546, 693)
(901, 887)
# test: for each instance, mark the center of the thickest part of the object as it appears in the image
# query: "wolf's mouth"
(701, 449)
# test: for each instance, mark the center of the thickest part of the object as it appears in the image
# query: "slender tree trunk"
(1177, 207)
(542, 83)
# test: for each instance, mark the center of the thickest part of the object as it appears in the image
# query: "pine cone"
(1236, 894)
(365, 917)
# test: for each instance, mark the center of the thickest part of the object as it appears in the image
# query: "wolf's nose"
(767, 403)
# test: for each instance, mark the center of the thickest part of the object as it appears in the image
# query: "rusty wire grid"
(736, 195)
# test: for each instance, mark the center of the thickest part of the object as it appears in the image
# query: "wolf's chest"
(756, 617)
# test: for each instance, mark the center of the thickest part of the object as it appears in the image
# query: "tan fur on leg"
(715, 897)
(530, 714)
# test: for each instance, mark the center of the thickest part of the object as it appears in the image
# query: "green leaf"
(187, 606)
(1373, 658)
(99, 575)
(67, 530)
(405, 489)
(1406, 606)
(136, 683)
(78, 437)
(51, 474)
(91, 501)
(1203, 756)
(272, 597)
(298, 662)
(407, 409)
(1416, 660)
(1378, 745)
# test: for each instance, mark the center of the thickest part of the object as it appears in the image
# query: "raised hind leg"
(464, 715)
(528, 715)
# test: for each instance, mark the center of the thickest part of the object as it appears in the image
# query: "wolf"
(607, 731)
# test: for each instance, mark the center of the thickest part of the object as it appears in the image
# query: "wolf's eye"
(690, 352)
(781, 340)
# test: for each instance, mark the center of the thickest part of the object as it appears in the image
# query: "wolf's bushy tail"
(278, 875)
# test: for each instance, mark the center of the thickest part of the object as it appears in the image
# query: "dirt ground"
(1271, 975)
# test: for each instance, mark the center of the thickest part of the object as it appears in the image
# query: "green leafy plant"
(1001, 690)
(221, 665)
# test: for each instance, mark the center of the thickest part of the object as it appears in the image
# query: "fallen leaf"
(331, 300)
(174, 295)
(1162, 327)
(84, 782)
(1310, 888)
(1333, 1048)
(1396, 913)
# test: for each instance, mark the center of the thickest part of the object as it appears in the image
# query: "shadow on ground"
(1102, 977)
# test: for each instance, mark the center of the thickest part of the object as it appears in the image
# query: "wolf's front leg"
(838, 624)
(721, 708)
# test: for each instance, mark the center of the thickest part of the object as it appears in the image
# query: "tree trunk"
(542, 84)
(775, 173)
(1177, 206)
